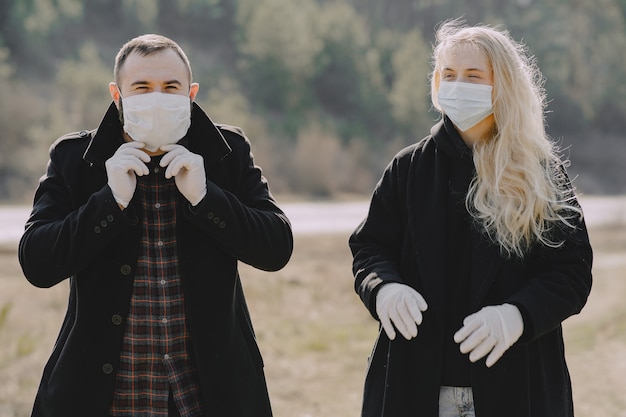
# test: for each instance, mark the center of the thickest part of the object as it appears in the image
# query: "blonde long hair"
(520, 191)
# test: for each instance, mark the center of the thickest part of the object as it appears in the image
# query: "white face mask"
(156, 119)
(465, 104)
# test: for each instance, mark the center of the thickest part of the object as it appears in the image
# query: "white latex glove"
(187, 168)
(492, 330)
(123, 167)
(401, 306)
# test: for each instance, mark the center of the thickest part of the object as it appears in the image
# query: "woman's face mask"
(156, 119)
(466, 104)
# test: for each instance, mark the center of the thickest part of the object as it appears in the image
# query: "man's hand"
(187, 168)
(401, 306)
(127, 162)
(492, 330)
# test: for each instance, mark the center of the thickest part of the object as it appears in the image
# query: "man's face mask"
(466, 104)
(156, 119)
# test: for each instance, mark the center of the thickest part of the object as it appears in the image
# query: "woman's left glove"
(492, 330)
(187, 168)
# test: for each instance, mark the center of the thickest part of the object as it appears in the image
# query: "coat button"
(125, 269)
(107, 368)
(104, 223)
(222, 225)
(97, 229)
(116, 319)
(216, 220)
(110, 218)
(210, 215)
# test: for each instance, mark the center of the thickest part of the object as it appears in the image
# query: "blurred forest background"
(327, 90)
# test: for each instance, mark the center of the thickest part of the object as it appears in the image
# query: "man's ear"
(115, 93)
(193, 90)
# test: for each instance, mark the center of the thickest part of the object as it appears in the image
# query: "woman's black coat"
(402, 240)
(77, 231)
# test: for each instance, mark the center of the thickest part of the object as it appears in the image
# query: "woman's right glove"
(401, 306)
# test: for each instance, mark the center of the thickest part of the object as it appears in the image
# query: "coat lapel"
(428, 187)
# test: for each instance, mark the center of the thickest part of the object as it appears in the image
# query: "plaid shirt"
(155, 356)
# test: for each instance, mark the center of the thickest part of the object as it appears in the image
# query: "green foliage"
(145, 11)
(577, 47)
(348, 80)
(16, 105)
(86, 79)
(410, 89)
(6, 69)
(279, 45)
(41, 16)
(346, 76)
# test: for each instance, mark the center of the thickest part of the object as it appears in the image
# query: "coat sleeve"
(559, 281)
(240, 214)
(65, 231)
(376, 243)
(559, 276)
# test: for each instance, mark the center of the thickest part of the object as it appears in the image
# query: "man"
(148, 216)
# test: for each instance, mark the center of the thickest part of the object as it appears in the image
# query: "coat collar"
(203, 137)
(449, 141)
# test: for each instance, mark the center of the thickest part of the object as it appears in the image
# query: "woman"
(474, 248)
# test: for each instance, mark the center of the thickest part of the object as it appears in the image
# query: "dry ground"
(315, 335)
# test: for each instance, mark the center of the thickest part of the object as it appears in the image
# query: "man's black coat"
(77, 231)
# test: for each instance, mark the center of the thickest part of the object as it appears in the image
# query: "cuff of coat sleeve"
(527, 334)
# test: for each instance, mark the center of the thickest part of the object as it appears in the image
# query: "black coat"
(402, 239)
(77, 231)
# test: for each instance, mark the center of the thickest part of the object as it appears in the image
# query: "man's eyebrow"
(142, 82)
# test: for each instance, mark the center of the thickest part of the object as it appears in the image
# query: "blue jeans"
(456, 402)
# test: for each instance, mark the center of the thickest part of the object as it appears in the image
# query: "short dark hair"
(147, 45)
